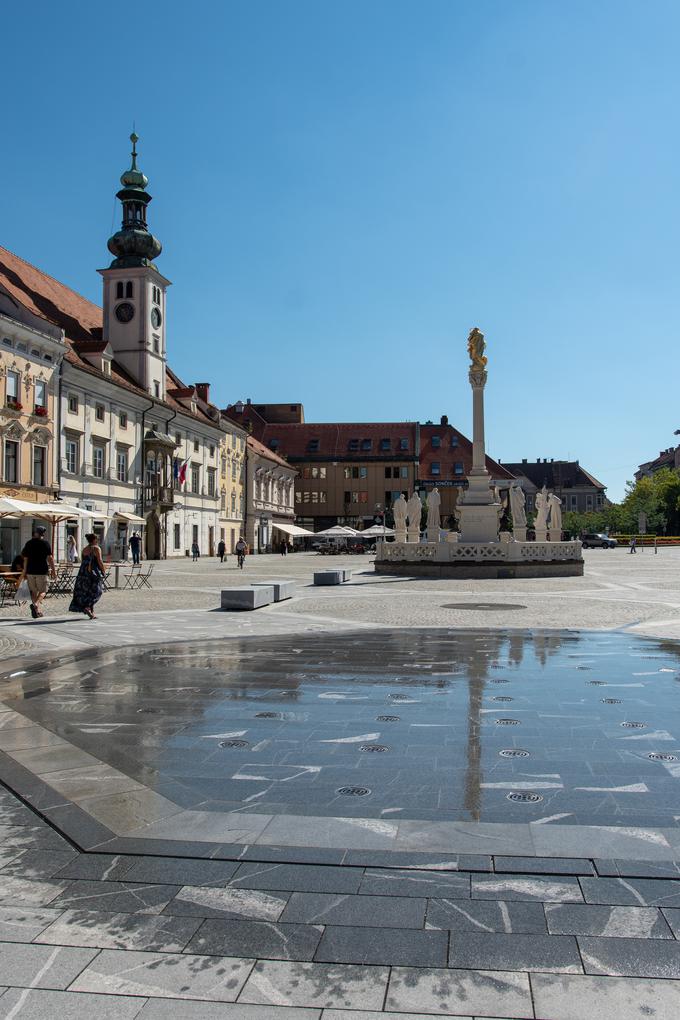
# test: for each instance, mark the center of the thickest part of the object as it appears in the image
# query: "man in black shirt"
(38, 563)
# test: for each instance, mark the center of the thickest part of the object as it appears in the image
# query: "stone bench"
(337, 576)
(282, 589)
(248, 596)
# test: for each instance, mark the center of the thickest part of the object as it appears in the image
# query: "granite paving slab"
(180, 871)
(361, 1014)
(204, 901)
(489, 993)
(601, 841)
(33, 1004)
(351, 833)
(672, 916)
(371, 911)
(206, 827)
(98, 868)
(166, 975)
(486, 916)
(27, 965)
(646, 892)
(631, 957)
(612, 922)
(156, 1009)
(543, 865)
(480, 950)
(126, 897)
(462, 837)
(104, 930)
(392, 947)
(259, 939)
(527, 887)
(342, 986)
(38, 864)
(400, 882)
(302, 877)
(29, 892)
(608, 868)
(566, 997)
(23, 924)
(32, 837)
(420, 861)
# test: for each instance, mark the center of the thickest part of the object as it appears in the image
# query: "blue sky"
(344, 189)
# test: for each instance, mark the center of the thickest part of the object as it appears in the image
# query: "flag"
(182, 474)
(175, 469)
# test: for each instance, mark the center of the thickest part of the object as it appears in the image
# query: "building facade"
(579, 491)
(269, 496)
(669, 458)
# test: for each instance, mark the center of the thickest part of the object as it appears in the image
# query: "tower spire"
(134, 244)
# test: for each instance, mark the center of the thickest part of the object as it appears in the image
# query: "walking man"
(241, 549)
(135, 543)
(633, 544)
(38, 563)
(221, 550)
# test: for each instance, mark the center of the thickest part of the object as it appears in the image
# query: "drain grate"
(483, 607)
(525, 797)
(660, 756)
(373, 747)
(147, 711)
(634, 725)
(597, 683)
(353, 791)
(498, 680)
(267, 715)
(507, 722)
(514, 752)
(502, 697)
(399, 697)
(233, 743)
(388, 718)
(611, 701)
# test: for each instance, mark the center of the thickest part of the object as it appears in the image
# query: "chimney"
(524, 460)
(444, 420)
(248, 400)
(203, 390)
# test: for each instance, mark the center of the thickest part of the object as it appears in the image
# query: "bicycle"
(241, 560)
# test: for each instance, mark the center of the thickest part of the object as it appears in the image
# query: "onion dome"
(133, 244)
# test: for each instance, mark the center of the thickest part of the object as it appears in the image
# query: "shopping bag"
(23, 592)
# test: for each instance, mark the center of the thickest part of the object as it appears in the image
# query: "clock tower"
(134, 290)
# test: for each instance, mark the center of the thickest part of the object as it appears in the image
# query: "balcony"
(160, 496)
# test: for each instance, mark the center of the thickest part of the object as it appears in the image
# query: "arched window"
(119, 289)
(128, 289)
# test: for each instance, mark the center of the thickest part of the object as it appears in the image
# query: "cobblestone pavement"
(358, 933)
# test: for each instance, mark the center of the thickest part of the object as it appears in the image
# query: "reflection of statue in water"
(517, 506)
(555, 517)
(399, 509)
(415, 508)
(542, 508)
(476, 347)
(433, 504)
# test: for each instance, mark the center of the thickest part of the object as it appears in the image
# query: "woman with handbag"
(89, 585)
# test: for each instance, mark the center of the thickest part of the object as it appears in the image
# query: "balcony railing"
(161, 495)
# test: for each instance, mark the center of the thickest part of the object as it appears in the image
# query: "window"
(128, 289)
(195, 477)
(388, 472)
(353, 445)
(212, 450)
(177, 541)
(436, 442)
(355, 472)
(315, 497)
(211, 481)
(40, 393)
(313, 445)
(322, 497)
(589, 501)
(322, 472)
(385, 444)
(454, 441)
(366, 444)
(195, 445)
(156, 345)
(11, 461)
(178, 439)
(306, 496)
(388, 497)
(363, 497)
(123, 420)
(403, 444)
(72, 456)
(99, 412)
(355, 497)
(122, 465)
(458, 467)
(13, 387)
(599, 499)
(435, 468)
(363, 472)
(98, 461)
(73, 404)
(306, 472)
(298, 497)
(233, 504)
(347, 496)
(347, 472)
(194, 533)
(403, 472)
(39, 477)
(273, 444)
(119, 289)
(156, 388)
(573, 502)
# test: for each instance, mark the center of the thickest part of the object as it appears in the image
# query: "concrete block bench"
(282, 589)
(247, 597)
(336, 576)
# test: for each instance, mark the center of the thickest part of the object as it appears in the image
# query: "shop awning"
(122, 515)
(291, 529)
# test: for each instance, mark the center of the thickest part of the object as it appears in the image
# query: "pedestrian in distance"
(241, 550)
(71, 550)
(284, 548)
(633, 544)
(89, 585)
(195, 552)
(37, 564)
(135, 547)
(221, 550)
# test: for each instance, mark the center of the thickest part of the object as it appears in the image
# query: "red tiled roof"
(334, 439)
(80, 319)
(259, 448)
(447, 455)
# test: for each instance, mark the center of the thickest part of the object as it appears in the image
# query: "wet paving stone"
(630, 957)
(120, 931)
(648, 892)
(370, 911)
(393, 947)
(486, 916)
(258, 939)
(527, 887)
(614, 922)
(556, 953)
(299, 877)
(414, 883)
(130, 898)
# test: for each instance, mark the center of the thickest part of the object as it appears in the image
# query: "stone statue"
(555, 517)
(399, 509)
(433, 503)
(542, 508)
(517, 506)
(476, 346)
(415, 508)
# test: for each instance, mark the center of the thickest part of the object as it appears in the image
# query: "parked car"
(598, 542)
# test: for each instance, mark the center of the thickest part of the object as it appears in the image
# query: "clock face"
(155, 318)
(124, 312)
